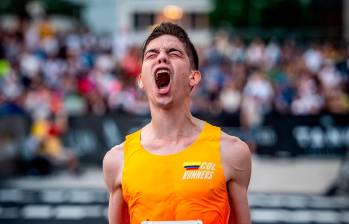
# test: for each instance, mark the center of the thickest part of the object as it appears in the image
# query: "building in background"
(316, 19)
(134, 18)
(101, 16)
(138, 16)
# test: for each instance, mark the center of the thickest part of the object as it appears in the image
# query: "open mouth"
(162, 78)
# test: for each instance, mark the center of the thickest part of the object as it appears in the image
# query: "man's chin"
(164, 104)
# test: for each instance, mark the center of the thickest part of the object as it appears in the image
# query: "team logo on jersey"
(192, 165)
(198, 170)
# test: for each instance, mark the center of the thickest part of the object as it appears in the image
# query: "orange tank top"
(188, 185)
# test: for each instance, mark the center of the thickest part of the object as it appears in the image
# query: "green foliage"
(240, 13)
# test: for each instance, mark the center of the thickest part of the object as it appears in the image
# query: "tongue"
(165, 90)
(163, 82)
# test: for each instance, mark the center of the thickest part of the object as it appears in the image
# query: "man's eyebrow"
(174, 49)
(152, 50)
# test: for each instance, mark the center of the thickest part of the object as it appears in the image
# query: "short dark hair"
(167, 28)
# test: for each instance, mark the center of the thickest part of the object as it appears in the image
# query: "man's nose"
(162, 57)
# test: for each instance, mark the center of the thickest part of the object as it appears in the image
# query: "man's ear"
(194, 78)
(140, 82)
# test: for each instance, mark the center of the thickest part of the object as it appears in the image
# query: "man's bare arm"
(236, 160)
(112, 171)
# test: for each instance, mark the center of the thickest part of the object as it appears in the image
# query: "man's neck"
(173, 124)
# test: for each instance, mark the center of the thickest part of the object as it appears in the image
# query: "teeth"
(162, 71)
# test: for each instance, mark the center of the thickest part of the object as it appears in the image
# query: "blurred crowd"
(287, 77)
(48, 74)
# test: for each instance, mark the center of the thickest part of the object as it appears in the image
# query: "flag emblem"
(191, 165)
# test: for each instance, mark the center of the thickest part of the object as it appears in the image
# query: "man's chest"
(185, 178)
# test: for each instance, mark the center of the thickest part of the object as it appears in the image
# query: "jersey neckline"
(197, 139)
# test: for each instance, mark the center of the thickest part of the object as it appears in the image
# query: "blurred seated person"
(45, 152)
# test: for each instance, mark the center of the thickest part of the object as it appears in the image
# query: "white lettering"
(186, 175)
(209, 175)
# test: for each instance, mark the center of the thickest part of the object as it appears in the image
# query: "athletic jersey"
(188, 185)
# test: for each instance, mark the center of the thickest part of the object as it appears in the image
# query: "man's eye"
(174, 53)
(150, 55)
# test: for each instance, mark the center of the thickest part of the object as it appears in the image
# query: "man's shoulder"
(114, 157)
(234, 151)
(233, 144)
(115, 150)
(112, 166)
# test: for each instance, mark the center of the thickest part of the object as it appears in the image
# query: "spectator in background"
(308, 98)
(284, 90)
(237, 54)
(45, 153)
(257, 99)
(272, 55)
(313, 58)
(131, 63)
(329, 77)
(214, 79)
(82, 70)
(38, 99)
(230, 97)
(255, 53)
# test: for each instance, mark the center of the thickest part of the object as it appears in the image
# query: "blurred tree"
(313, 18)
(253, 12)
(226, 13)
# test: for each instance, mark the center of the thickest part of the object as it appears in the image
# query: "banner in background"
(304, 135)
(13, 133)
(90, 136)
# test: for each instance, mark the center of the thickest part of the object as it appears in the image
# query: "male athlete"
(177, 167)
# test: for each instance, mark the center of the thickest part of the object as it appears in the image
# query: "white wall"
(127, 7)
(116, 16)
(100, 15)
